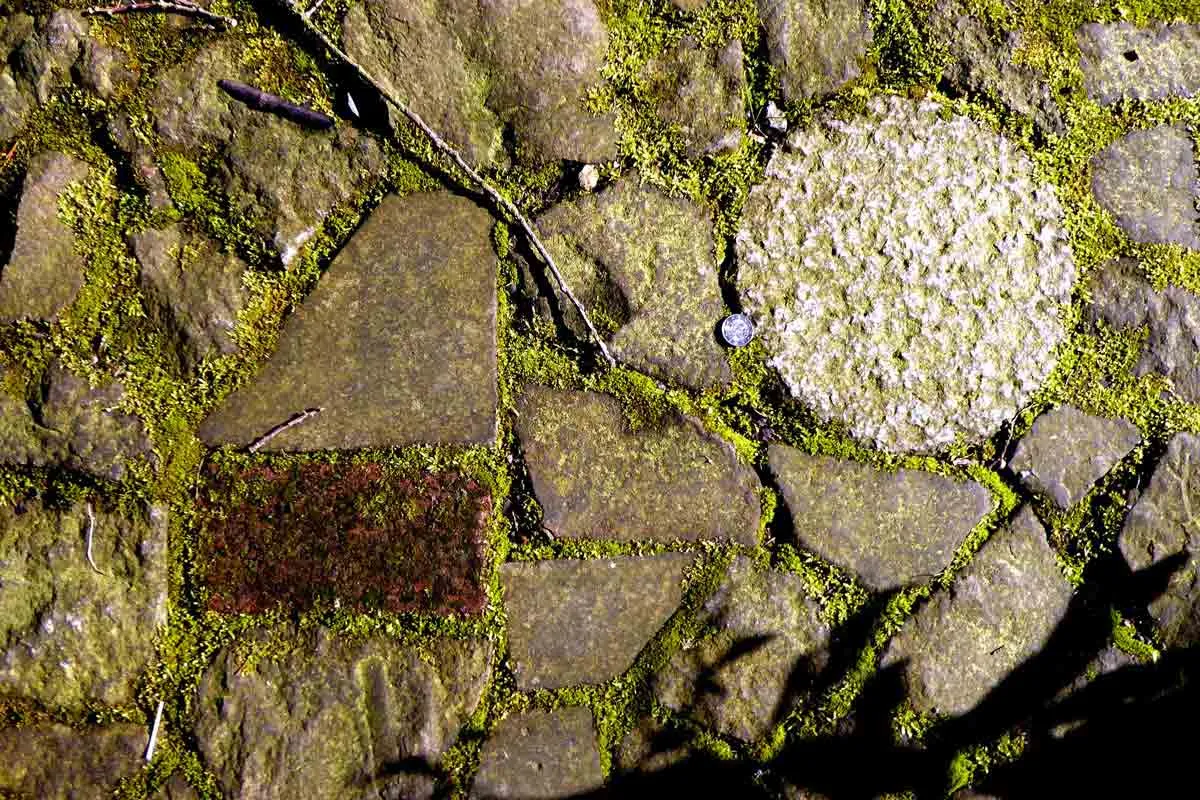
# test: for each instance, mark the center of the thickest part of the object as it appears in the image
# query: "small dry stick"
(166, 7)
(315, 8)
(448, 151)
(278, 429)
(154, 732)
(90, 530)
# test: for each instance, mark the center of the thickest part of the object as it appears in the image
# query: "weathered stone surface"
(397, 343)
(817, 45)
(767, 619)
(1001, 610)
(419, 58)
(596, 479)
(700, 90)
(53, 762)
(334, 717)
(474, 67)
(1109, 660)
(1067, 451)
(44, 272)
(195, 289)
(642, 264)
(888, 528)
(689, 5)
(1148, 181)
(1162, 524)
(281, 178)
(983, 63)
(1124, 299)
(1120, 60)
(38, 60)
(362, 534)
(69, 634)
(176, 788)
(74, 425)
(539, 754)
(92, 435)
(573, 622)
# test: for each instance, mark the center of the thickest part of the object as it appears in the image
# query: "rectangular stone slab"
(361, 534)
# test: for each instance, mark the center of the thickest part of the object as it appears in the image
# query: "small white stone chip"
(589, 177)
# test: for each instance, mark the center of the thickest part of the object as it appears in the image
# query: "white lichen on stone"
(907, 274)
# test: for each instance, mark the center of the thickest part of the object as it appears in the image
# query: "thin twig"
(315, 8)
(163, 6)
(448, 151)
(278, 429)
(154, 732)
(90, 530)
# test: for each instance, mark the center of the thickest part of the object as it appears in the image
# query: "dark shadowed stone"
(699, 89)
(983, 63)
(1000, 611)
(70, 635)
(1163, 523)
(651, 746)
(194, 288)
(365, 535)
(331, 717)
(1123, 298)
(1109, 660)
(417, 56)
(93, 435)
(539, 754)
(761, 630)
(280, 177)
(44, 273)
(817, 45)
(1119, 60)
(642, 264)
(397, 343)
(176, 788)
(1148, 181)
(573, 622)
(888, 528)
(596, 479)
(48, 761)
(1067, 451)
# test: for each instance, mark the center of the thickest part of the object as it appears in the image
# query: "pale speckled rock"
(195, 290)
(269, 171)
(44, 272)
(817, 45)
(1123, 298)
(769, 609)
(1067, 451)
(90, 432)
(983, 63)
(69, 635)
(1000, 611)
(1148, 181)
(327, 717)
(1120, 60)
(1162, 523)
(397, 343)
(596, 479)
(539, 754)
(49, 761)
(574, 622)
(642, 264)
(888, 528)
(699, 89)
(414, 54)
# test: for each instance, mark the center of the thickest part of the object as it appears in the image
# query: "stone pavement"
(303, 447)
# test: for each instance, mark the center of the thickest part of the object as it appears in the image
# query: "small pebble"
(776, 118)
(589, 176)
(737, 330)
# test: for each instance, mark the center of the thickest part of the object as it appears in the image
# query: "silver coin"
(737, 330)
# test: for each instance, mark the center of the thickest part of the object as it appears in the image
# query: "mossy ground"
(105, 332)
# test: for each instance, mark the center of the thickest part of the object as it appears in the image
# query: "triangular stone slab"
(397, 344)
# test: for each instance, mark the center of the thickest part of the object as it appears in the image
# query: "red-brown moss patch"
(359, 534)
